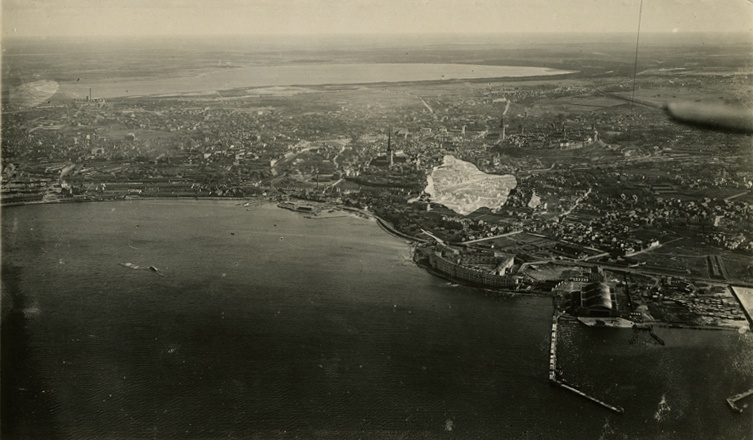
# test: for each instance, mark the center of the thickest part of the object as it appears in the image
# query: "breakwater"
(555, 376)
(732, 401)
(553, 351)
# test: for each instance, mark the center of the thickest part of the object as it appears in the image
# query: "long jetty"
(553, 350)
(732, 401)
(554, 375)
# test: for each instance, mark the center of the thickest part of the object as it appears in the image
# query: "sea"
(258, 322)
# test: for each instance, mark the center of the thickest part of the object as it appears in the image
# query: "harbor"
(555, 376)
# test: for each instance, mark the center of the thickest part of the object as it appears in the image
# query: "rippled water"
(267, 324)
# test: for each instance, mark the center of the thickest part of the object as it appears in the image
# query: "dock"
(732, 401)
(744, 296)
(554, 374)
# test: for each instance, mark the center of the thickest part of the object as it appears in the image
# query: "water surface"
(296, 74)
(267, 324)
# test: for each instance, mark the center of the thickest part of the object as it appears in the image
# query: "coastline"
(121, 199)
(384, 224)
(386, 227)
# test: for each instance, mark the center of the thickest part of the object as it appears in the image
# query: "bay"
(267, 324)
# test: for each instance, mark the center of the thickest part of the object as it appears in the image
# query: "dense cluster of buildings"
(595, 182)
(477, 268)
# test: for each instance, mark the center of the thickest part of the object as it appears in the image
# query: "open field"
(690, 258)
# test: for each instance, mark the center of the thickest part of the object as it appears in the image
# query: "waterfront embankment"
(384, 224)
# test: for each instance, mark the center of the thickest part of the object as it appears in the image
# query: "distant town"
(609, 204)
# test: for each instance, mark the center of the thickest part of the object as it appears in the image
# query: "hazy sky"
(217, 17)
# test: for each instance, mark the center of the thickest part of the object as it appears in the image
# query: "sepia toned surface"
(375, 220)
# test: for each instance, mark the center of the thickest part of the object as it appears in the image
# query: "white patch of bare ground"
(462, 187)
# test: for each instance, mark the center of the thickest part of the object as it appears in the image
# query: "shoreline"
(386, 227)
(121, 199)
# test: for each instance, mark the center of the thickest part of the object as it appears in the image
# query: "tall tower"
(502, 135)
(389, 147)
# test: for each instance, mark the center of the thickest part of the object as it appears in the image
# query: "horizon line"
(370, 34)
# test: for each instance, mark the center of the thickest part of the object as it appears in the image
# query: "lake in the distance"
(298, 75)
(267, 324)
(148, 67)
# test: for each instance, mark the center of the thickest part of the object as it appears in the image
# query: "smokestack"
(502, 129)
(90, 93)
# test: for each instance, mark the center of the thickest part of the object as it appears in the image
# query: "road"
(478, 240)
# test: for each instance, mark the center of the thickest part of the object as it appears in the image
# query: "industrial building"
(595, 299)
